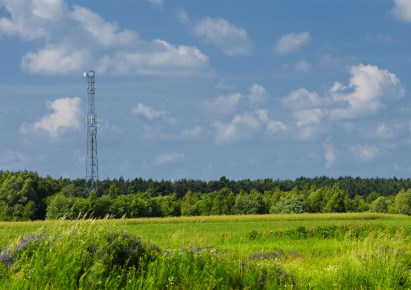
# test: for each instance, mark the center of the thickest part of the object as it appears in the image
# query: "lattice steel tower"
(92, 160)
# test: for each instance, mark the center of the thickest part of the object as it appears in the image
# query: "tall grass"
(289, 251)
(86, 256)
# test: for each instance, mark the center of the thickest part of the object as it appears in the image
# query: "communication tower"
(92, 160)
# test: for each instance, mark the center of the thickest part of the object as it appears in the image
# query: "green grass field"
(309, 251)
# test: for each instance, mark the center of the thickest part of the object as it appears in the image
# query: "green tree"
(356, 204)
(318, 199)
(60, 206)
(337, 201)
(290, 204)
(18, 197)
(189, 206)
(114, 191)
(170, 206)
(222, 202)
(249, 203)
(380, 205)
(402, 202)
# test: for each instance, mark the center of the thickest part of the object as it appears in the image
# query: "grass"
(317, 251)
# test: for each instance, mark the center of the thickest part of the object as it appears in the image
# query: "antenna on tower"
(92, 160)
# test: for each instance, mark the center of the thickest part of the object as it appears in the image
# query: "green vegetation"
(27, 196)
(318, 251)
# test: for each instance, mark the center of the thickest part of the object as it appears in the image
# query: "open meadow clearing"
(320, 251)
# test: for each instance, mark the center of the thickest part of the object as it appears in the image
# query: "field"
(317, 251)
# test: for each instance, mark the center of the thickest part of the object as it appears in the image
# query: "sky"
(246, 89)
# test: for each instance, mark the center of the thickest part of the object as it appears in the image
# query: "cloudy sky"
(202, 89)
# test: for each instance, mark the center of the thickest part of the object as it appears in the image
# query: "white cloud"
(32, 20)
(59, 59)
(369, 86)
(158, 58)
(303, 99)
(224, 104)
(232, 40)
(65, 116)
(151, 114)
(368, 92)
(402, 10)
(308, 122)
(365, 152)
(309, 117)
(148, 112)
(245, 125)
(302, 66)
(242, 126)
(330, 155)
(105, 33)
(274, 127)
(291, 42)
(257, 94)
(167, 158)
(74, 38)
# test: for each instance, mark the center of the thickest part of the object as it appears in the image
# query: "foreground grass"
(321, 251)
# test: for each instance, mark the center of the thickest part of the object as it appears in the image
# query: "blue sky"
(202, 89)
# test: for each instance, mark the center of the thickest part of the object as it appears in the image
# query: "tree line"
(25, 195)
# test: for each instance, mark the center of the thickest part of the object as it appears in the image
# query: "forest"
(25, 195)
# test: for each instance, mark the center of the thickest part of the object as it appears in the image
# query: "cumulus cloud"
(72, 38)
(402, 10)
(167, 158)
(245, 125)
(291, 42)
(367, 90)
(151, 114)
(104, 33)
(302, 99)
(232, 40)
(308, 122)
(257, 94)
(274, 127)
(55, 59)
(224, 104)
(65, 116)
(32, 20)
(158, 58)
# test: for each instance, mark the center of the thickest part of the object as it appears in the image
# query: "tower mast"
(92, 160)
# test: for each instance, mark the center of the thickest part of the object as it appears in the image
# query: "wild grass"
(310, 251)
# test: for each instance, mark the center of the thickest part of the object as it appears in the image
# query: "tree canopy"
(27, 196)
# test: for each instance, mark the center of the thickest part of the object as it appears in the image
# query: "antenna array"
(92, 160)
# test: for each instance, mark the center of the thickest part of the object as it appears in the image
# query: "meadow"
(304, 251)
